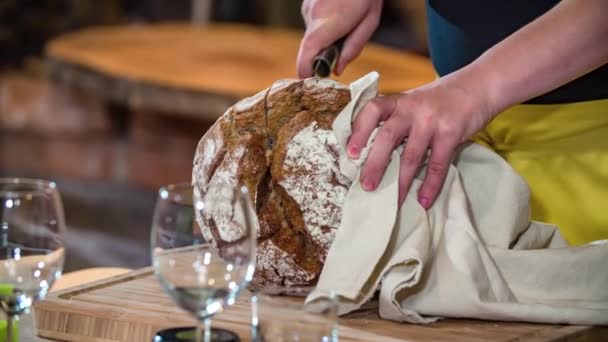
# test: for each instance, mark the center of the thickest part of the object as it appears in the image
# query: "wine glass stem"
(203, 330)
(207, 324)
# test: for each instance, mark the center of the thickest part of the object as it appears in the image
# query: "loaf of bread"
(280, 144)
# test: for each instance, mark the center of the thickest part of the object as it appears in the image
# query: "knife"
(324, 62)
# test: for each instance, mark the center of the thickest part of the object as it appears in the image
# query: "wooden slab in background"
(201, 70)
(131, 307)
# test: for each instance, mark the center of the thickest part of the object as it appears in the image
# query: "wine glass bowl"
(200, 273)
(32, 250)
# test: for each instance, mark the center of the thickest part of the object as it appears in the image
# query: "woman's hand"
(329, 20)
(438, 116)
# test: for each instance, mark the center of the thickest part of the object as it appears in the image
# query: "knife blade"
(324, 62)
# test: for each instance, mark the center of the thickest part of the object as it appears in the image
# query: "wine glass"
(201, 277)
(32, 251)
(281, 315)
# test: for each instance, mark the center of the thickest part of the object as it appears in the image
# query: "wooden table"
(131, 307)
(199, 70)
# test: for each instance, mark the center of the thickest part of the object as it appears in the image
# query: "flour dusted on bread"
(312, 178)
(280, 144)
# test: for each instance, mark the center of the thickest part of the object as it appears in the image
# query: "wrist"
(481, 85)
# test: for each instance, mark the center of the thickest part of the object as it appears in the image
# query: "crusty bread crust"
(279, 143)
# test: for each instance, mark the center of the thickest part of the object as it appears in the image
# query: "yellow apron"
(562, 152)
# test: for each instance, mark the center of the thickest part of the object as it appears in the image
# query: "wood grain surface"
(132, 307)
(186, 68)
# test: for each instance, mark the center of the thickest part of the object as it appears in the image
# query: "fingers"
(358, 37)
(305, 10)
(411, 158)
(375, 111)
(390, 135)
(328, 21)
(436, 170)
(422, 133)
(320, 33)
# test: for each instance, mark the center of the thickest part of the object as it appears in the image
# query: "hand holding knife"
(324, 63)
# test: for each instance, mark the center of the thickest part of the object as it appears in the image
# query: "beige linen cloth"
(474, 254)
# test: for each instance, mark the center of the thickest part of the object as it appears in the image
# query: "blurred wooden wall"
(414, 12)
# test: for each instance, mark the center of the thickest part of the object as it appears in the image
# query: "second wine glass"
(32, 250)
(201, 274)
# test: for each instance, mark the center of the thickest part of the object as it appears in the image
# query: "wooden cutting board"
(132, 307)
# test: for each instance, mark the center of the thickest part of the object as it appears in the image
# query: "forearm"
(565, 43)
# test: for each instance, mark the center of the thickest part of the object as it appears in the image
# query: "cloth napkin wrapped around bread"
(474, 254)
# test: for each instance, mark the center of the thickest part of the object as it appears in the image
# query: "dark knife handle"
(324, 62)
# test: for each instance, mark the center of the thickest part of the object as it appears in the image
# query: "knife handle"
(324, 62)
